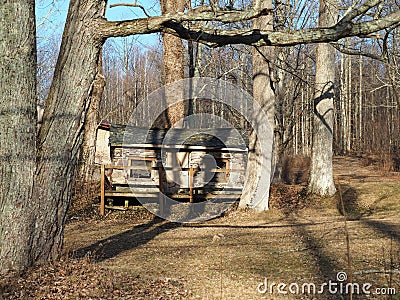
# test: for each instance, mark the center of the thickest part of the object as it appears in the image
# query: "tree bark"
(264, 95)
(17, 132)
(173, 24)
(85, 170)
(360, 107)
(61, 135)
(321, 176)
(173, 65)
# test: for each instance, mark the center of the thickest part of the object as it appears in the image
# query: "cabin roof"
(210, 138)
(105, 125)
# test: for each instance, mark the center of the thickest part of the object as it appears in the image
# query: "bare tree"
(18, 131)
(85, 169)
(321, 174)
(173, 63)
(264, 96)
(61, 134)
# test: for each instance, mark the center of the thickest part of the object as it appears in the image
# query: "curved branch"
(104, 28)
(357, 52)
(132, 5)
(353, 12)
(217, 38)
(173, 24)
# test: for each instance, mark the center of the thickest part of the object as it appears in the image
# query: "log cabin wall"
(183, 148)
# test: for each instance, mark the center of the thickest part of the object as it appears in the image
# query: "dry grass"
(135, 256)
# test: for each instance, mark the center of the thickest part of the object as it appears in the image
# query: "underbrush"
(288, 198)
(387, 162)
(295, 169)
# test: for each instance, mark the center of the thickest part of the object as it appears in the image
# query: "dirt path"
(360, 170)
(229, 257)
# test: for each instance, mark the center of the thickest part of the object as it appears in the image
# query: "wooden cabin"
(103, 154)
(185, 164)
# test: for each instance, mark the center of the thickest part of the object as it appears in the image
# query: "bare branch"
(353, 12)
(132, 5)
(216, 38)
(357, 52)
(379, 87)
(107, 28)
(173, 24)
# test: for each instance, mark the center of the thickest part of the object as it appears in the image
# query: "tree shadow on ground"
(388, 230)
(327, 267)
(137, 236)
(266, 226)
(353, 211)
(351, 207)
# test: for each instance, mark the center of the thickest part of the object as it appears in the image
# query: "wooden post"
(227, 166)
(160, 187)
(102, 190)
(191, 174)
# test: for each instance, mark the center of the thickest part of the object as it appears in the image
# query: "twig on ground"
(363, 272)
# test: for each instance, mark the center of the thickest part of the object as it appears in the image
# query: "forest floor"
(133, 255)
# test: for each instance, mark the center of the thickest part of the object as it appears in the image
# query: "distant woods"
(367, 117)
(136, 71)
(367, 89)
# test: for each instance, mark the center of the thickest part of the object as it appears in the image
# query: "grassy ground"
(301, 240)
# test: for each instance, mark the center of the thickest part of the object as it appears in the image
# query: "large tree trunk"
(86, 167)
(321, 176)
(173, 65)
(61, 134)
(259, 169)
(17, 132)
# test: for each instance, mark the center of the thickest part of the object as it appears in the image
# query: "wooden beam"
(131, 194)
(102, 190)
(227, 166)
(170, 169)
(191, 184)
(160, 186)
(182, 148)
(138, 158)
(123, 208)
(173, 196)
